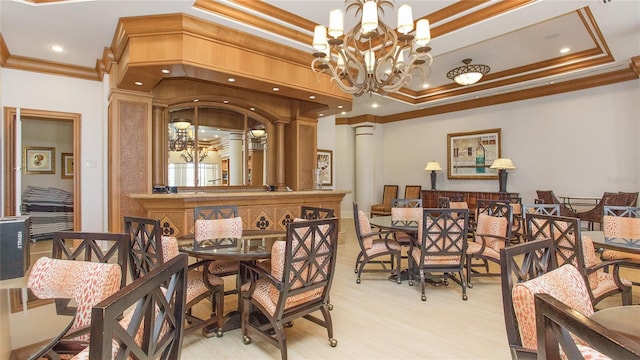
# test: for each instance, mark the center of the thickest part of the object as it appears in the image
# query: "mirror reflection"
(218, 148)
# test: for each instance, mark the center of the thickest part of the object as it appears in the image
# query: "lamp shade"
(433, 166)
(257, 132)
(181, 124)
(502, 163)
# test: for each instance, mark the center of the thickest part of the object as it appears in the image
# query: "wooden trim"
(10, 157)
(4, 51)
(49, 67)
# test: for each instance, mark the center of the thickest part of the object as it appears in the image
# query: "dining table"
(254, 245)
(622, 319)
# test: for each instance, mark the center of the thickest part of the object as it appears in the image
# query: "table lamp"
(433, 166)
(502, 164)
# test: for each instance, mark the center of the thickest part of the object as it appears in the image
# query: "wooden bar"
(260, 210)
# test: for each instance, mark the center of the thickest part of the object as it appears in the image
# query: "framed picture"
(470, 154)
(67, 165)
(39, 160)
(325, 164)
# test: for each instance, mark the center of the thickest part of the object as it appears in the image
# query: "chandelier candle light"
(502, 164)
(433, 166)
(372, 57)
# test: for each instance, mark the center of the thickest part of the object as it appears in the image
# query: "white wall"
(580, 143)
(22, 89)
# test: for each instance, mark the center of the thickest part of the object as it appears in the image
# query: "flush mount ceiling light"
(372, 57)
(468, 74)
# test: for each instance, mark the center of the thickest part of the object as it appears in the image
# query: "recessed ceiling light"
(138, 83)
(564, 50)
(343, 113)
(312, 97)
(340, 107)
(252, 109)
(551, 82)
(231, 80)
(226, 101)
(196, 100)
(166, 71)
(320, 114)
(276, 89)
(374, 105)
(57, 48)
(425, 86)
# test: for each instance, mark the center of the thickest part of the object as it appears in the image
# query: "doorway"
(60, 145)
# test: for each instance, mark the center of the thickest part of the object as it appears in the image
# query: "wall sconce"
(502, 164)
(433, 166)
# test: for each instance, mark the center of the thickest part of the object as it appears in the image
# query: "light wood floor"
(379, 319)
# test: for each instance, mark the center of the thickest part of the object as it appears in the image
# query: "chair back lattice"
(145, 245)
(217, 233)
(519, 263)
(546, 209)
(443, 237)
(90, 246)
(564, 231)
(309, 261)
(444, 202)
(315, 213)
(154, 329)
(623, 211)
(215, 212)
(621, 222)
(406, 203)
(496, 208)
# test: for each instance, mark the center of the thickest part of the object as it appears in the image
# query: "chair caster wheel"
(355, 271)
(446, 282)
(470, 285)
(289, 324)
(464, 297)
(357, 281)
(246, 340)
(410, 283)
(333, 342)
(330, 307)
(424, 297)
(219, 333)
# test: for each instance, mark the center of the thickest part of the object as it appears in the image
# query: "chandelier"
(468, 74)
(372, 57)
(181, 139)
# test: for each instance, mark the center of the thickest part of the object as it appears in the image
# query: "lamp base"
(433, 180)
(502, 179)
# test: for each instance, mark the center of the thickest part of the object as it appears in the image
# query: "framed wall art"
(39, 160)
(470, 154)
(325, 164)
(67, 165)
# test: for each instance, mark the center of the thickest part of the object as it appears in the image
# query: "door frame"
(10, 164)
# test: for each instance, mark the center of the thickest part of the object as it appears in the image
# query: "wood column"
(280, 158)
(158, 149)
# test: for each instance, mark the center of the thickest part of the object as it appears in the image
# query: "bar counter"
(260, 210)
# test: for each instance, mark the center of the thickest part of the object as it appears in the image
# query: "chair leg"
(398, 265)
(463, 284)
(282, 339)
(468, 264)
(218, 301)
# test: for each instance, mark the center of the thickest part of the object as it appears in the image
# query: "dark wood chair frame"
(625, 211)
(406, 203)
(444, 235)
(306, 267)
(215, 212)
(444, 202)
(102, 247)
(557, 324)
(389, 193)
(548, 197)
(497, 208)
(363, 259)
(315, 213)
(159, 298)
(566, 234)
(519, 263)
(594, 215)
(145, 254)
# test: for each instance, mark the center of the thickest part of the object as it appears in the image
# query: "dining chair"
(548, 197)
(148, 249)
(565, 284)
(594, 215)
(621, 222)
(86, 283)
(215, 212)
(406, 212)
(519, 263)
(314, 213)
(563, 333)
(389, 193)
(102, 247)
(376, 248)
(441, 247)
(154, 308)
(444, 202)
(573, 248)
(492, 233)
(297, 285)
(537, 208)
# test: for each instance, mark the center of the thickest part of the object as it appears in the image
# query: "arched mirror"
(210, 145)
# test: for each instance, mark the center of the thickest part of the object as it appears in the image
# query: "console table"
(430, 197)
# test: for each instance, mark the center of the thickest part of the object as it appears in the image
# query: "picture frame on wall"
(67, 165)
(325, 164)
(39, 160)
(470, 154)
